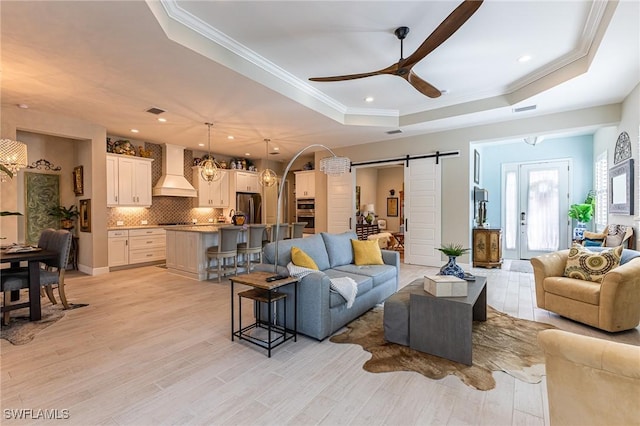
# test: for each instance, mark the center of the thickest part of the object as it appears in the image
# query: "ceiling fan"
(402, 68)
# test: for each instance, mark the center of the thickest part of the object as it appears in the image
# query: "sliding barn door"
(422, 212)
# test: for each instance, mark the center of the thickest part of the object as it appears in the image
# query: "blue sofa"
(321, 311)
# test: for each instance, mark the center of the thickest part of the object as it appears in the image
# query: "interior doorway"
(535, 195)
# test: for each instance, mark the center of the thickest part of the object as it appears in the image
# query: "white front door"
(340, 203)
(422, 212)
(536, 201)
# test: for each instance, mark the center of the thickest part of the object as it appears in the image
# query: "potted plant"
(452, 251)
(66, 215)
(582, 213)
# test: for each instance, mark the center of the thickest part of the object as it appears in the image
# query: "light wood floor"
(153, 348)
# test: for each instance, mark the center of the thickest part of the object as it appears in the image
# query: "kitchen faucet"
(232, 212)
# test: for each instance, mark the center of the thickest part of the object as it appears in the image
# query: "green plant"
(453, 249)
(63, 212)
(583, 212)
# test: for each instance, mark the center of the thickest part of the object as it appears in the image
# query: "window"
(601, 191)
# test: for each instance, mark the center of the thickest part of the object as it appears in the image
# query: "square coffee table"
(442, 326)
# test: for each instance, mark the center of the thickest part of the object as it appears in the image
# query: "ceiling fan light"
(533, 140)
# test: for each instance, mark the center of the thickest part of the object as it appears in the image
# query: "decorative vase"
(452, 268)
(578, 231)
(66, 223)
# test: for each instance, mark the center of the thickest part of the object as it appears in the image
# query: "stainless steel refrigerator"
(250, 205)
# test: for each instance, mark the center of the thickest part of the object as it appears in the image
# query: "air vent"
(156, 111)
(394, 132)
(525, 108)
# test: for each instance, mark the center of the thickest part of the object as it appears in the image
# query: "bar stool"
(253, 245)
(298, 228)
(283, 233)
(227, 248)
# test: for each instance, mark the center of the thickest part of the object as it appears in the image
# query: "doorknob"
(522, 218)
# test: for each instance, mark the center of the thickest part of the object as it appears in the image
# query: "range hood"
(173, 183)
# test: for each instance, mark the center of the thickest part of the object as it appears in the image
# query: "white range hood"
(173, 183)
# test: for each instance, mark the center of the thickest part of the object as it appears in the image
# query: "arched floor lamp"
(332, 166)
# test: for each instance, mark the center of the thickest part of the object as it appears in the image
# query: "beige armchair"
(590, 381)
(612, 305)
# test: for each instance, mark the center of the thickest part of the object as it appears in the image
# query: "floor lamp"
(332, 166)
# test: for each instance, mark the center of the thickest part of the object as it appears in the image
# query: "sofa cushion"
(366, 252)
(574, 289)
(300, 258)
(339, 247)
(380, 274)
(313, 246)
(364, 285)
(584, 264)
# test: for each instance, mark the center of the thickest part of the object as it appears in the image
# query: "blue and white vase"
(452, 268)
(578, 231)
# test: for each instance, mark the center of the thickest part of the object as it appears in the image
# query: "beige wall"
(88, 151)
(456, 181)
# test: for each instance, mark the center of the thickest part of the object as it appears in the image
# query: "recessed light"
(368, 99)
(247, 154)
(230, 137)
(200, 144)
(162, 120)
(135, 131)
(275, 148)
(524, 58)
(23, 106)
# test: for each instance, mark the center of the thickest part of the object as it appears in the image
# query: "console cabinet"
(487, 248)
(128, 181)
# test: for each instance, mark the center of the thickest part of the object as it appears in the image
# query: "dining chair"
(52, 274)
(253, 245)
(227, 248)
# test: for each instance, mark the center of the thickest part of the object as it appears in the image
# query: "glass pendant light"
(267, 177)
(208, 168)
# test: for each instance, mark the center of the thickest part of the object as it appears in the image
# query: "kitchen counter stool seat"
(298, 229)
(253, 246)
(227, 248)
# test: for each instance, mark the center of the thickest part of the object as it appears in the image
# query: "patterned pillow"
(586, 265)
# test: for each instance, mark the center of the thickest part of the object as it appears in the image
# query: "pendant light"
(208, 169)
(267, 177)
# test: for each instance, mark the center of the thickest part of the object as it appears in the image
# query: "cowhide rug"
(502, 343)
(20, 330)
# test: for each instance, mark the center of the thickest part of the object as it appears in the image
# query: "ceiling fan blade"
(391, 69)
(450, 25)
(422, 86)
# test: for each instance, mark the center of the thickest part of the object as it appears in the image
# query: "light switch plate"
(120, 223)
(210, 220)
(144, 222)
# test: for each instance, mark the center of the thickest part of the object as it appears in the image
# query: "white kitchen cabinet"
(131, 246)
(214, 194)
(118, 247)
(306, 184)
(247, 181)
(146, 245)
(128, 181)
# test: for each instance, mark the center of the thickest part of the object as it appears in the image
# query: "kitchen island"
(187, 246)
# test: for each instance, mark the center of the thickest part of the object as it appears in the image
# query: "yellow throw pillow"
(300, 258)
(366, 252)
(586, 265)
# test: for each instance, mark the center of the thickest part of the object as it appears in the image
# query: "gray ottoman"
(396, 317)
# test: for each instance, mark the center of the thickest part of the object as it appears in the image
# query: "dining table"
(33, 259)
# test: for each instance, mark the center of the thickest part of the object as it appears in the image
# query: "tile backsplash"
(163, 209)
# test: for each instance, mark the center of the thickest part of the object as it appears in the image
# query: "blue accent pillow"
(588, 242)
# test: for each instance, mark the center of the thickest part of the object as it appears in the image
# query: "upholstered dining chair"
(227, 248)
(52, 274)
(253, 246)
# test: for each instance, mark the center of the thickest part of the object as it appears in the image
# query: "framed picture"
(476, 166)
(85, 215)
(392, 206)
(621, 188)
(78, 181)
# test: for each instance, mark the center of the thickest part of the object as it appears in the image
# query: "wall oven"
(305, 212)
